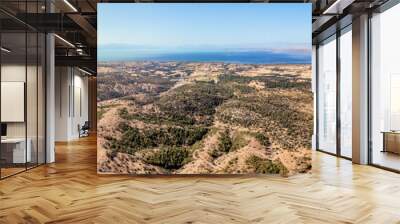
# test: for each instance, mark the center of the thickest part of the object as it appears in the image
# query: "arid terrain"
(204, 118)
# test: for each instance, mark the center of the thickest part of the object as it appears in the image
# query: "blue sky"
(152, 26)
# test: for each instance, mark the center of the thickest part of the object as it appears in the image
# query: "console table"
(391, 141)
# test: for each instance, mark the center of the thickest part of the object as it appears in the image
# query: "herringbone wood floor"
(70, 191)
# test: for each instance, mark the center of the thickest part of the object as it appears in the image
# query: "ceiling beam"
(86, 27)
(77, 61)
(338, 6)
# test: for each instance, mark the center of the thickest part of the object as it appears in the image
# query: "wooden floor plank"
(70, 191)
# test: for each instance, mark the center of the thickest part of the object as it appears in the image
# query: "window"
(327, 95)
(346, 92)
(385, 89)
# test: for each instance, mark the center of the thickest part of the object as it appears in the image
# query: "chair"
(84, 130)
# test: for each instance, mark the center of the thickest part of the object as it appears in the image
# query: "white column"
(50, 98)
(360, 90)
(314, 88)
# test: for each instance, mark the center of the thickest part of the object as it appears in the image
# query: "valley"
(204, 118)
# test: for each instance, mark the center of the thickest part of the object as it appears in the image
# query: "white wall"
(33, 126)
(80, 110)
(71, 94)
(62, 82)
(12, 73)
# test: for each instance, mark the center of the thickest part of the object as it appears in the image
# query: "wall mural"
(204, 89)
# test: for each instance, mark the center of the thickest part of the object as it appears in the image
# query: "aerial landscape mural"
(204, 89)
